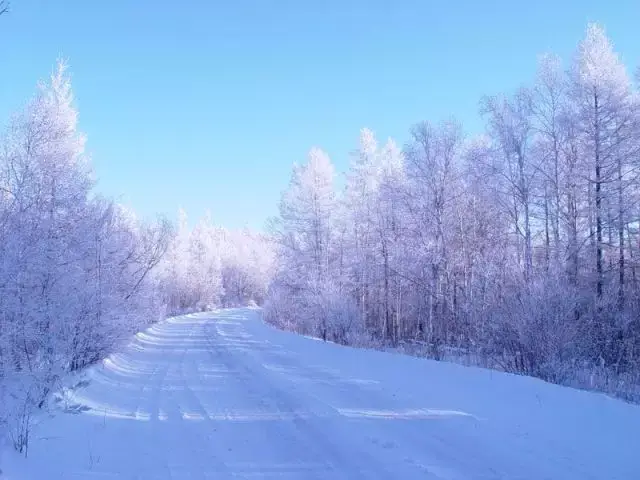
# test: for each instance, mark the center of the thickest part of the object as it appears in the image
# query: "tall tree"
(431, 166)
(304, 234)
(510, 125)
(601, 90)
(548, 107)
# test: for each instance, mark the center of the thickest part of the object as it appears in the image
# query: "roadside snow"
(222, 395)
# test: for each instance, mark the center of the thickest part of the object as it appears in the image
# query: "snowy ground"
(214, 396)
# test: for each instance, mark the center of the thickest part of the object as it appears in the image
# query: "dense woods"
(517, 249)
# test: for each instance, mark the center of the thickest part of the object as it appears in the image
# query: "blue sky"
(206, 104)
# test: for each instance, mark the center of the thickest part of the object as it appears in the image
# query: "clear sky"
(207, 104)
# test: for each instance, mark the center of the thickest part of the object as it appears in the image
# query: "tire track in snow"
(276, 424)
(195, 418)
(313, 428)
(158, 416)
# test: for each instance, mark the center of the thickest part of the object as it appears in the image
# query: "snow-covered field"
(222, 395)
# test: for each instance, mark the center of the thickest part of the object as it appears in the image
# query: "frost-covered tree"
(247, 266)
(433, 157)
(306, 292)
(306, 212)
(205, 263)
(516, 249)
(76, 270)
(372, 222)
(510, 127)
(601, 91)
(208, 266)
(548, 107)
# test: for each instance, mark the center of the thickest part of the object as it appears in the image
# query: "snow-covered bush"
(335, 315)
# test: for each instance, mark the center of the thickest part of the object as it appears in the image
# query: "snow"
(221, 395)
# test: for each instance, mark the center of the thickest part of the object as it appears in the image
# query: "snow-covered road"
(221, 395)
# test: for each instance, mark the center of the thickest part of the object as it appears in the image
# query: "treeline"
(209, 266)
(79, 273)
(518, 249)
(76, 269)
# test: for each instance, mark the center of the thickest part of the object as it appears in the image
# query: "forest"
(516, 249)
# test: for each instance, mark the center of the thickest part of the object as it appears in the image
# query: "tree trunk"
(598, 199)
(621, 225)
(547, 237)
(631, 258)
(556, 192)
(524, 197)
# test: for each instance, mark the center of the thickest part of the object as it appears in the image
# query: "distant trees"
(247, 267)
(209, 266)
(516, 249)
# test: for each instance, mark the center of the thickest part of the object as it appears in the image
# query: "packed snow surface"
(222, 395)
